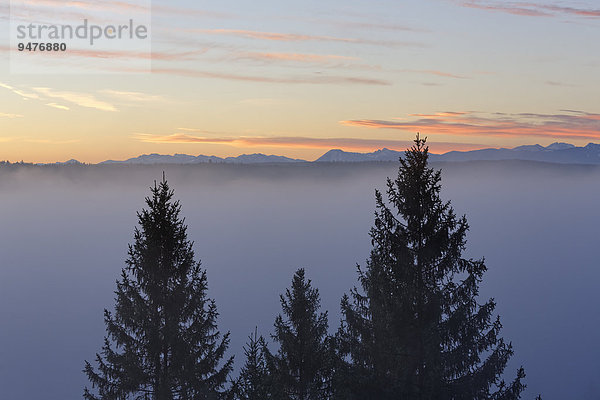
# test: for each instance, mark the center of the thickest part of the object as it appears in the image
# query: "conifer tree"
(302, 365)
(162, 340)
(254, 381)
(416, 330)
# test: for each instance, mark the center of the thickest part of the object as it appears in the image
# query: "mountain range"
(555, 153)
(187, 159)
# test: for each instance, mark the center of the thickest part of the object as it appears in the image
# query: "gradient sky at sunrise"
(299, 78)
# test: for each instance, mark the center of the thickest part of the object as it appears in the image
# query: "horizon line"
(300, 160)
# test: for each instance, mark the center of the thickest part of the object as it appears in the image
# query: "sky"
(299, 78)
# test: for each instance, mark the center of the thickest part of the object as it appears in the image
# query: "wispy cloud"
(584, 12)
(129, 55)
(260, 102)
(78, 98)
(441, 114)
(88, 5)
(300, 142)
(203, 131)
(85, 99)
(25, 95)
(295, 37)
(59, 106)
(295, 57)
(384, 26)
(125, 6)
(301, 59)
(9, 115)
(573, 125)
(60, 11)
(507, 7)
(531, 9)
(281, 37)
(191, 12)
(554, 83)
(4, 12)
(51, 141)
(135, 97)
(317, 79)
(442, 74)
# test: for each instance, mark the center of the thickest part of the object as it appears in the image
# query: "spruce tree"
(416, 329)
(302, 366)
(254, 381)
(162, 340)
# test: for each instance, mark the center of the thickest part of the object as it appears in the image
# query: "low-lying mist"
(64, 233)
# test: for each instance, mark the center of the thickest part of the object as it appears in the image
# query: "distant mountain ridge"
(563, 153)
(558, 152)
(187, 159)
(344, 156)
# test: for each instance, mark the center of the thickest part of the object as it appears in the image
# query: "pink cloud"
(155, 55)
(120, 54)
(573, 125)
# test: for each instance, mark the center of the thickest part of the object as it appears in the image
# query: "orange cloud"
(440, 114)
(356, 144)
(570, 124)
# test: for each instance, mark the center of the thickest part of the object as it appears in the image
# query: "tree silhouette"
(162, 340)
(302, 366)
(415, 330)
(254, 381)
